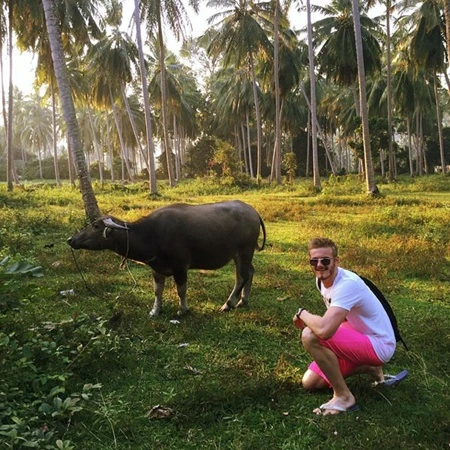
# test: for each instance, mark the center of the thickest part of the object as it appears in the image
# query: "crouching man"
(354, 335)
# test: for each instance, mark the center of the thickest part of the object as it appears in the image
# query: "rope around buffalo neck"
(123, 265)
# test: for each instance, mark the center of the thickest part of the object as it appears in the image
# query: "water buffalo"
(176, 238)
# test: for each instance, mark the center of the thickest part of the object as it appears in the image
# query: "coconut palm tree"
(335, 35)
(182, 101)
(110, 65)
(174, 14)
(312, 100)
(146, 100)
(371, 187)
(447, 29)
(232, 98)
(37, 127)
(428, 50)
(238, 36)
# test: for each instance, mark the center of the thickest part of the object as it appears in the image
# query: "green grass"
(236, 385)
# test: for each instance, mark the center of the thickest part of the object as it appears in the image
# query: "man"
(353, 336)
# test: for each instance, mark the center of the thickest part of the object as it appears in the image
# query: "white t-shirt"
(365, 312)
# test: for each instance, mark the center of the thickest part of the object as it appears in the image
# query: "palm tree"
(148, 119)
(110, 63)
(37, 127)
(90, 202)
(238, 37)
(174, 13)
(428, 49)
(313, 103)
(232, 98)
(337, 55)
(182, 101)
(371, 187)
(389, 7)
(447, 30)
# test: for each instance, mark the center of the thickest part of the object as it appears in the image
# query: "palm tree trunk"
(439, 124)
(419, 144)
(447, 29)
(410, 156)
(389, 90)
(162, 66)
(55, 138)
(371, 187)
(123, 149)
(258, 119)
(312, 78)
(9, 151)
(90, 202)
(96, 147)
(133, 123)
(249, 145)
(308, 144)
(277, 150)
(244, 148)
(148, 120)
(176, 148)
(319, 132)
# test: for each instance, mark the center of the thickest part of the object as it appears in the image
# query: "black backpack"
(387, 307)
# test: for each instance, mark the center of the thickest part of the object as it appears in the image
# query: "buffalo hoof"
(242, 304)
(225, 308)
(182, 312)
(154, 312)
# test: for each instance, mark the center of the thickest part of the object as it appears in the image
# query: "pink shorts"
(352, 348)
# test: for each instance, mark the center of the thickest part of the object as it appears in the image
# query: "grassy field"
(84, 370)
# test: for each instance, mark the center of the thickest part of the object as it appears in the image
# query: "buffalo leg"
(180, 278)
(247, 288)
(242, 277)
(158, 287)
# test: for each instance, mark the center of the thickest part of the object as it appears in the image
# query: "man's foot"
(375, 372)
(330, 410)
(392, 380)
(337, 405)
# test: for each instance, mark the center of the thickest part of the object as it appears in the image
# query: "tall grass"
(226, 381)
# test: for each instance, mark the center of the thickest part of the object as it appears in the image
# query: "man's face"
(323, 264)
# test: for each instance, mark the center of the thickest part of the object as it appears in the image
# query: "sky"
(24, 64)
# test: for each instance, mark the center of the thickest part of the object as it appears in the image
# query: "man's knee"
(311, 381)
(308, 337)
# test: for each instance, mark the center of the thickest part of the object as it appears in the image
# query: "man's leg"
(328, 362)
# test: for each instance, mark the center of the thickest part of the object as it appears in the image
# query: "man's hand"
(298, 322)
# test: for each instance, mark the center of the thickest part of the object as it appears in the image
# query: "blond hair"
(321, 242)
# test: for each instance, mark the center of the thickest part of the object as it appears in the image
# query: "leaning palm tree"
(90, 202)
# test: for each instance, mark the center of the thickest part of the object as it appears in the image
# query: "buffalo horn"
(111, 224)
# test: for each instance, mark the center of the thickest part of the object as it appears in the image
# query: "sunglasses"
(323, 261)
